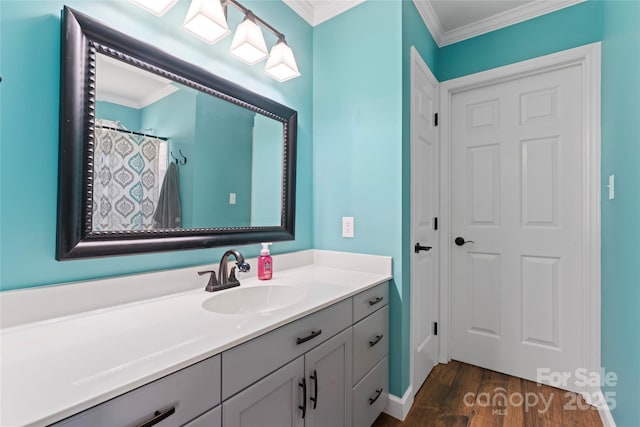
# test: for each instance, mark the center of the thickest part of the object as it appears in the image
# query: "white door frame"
(588, 59)
(417, 61)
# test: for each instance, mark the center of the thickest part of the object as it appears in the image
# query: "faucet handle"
(232, 275)
(213, 281)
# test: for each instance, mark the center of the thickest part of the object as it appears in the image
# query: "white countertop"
(56, 367)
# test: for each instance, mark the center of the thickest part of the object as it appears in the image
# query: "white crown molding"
(157, 95)
(136, 103)
(430, 19)
(492, 23)
(318, 12)
(331, 9)
(302, 8)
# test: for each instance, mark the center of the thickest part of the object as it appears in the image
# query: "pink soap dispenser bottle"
(265, 263)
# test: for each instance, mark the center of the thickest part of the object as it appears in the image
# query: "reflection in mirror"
(168, 156)
(158, 154)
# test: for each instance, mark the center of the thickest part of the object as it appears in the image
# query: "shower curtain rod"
(133, 132)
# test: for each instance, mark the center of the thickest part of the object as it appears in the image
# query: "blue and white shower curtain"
(127, 173)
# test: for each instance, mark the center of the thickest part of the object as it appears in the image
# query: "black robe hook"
(182, 161)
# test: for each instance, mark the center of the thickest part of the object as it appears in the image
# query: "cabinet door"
(328, 373)
(274, 401)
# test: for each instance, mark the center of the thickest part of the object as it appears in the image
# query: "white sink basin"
(255, 299)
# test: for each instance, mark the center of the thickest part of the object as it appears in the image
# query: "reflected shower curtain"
(126, 180)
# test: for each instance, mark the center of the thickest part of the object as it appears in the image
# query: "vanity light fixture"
(281, 64)
(248, 44)
(157, 7)
(207, 20)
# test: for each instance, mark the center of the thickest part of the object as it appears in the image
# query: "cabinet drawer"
(190, 392)
(247, 363)
(213, 418)
(370, 342)
(370, 395)
(369, 301)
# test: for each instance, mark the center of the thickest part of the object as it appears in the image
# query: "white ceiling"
(456, 14)
(317, 11)
(449, 21)
(120, 83)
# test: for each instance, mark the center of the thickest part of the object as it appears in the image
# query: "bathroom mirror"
(157, 154)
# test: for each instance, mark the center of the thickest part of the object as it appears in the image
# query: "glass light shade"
(157, 7)
(281, 64)
(206, 20)
(248, 44)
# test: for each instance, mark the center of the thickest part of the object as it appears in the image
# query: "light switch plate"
(611, 186)
(347, 226)
(232, 198)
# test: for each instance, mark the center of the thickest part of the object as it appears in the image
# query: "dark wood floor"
(458, 394)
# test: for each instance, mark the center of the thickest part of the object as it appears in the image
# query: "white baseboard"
(603, 410)
(398, 407)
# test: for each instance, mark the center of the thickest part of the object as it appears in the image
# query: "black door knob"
(460, 241)
(417, 248)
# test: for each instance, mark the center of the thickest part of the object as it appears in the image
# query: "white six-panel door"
(425, 194)
(516, 193)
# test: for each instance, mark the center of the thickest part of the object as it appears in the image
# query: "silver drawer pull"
(376, 340)
(311, 336)
(375, 300)
(158, 416)
(373, 399)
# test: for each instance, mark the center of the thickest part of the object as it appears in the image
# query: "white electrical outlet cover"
(347, 226)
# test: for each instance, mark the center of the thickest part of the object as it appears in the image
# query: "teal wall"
(30, 59)
(357, 157)
(266, 172)
(223, 165)
(173, 116)
(570, 27)
(127, 116)
(620, 217)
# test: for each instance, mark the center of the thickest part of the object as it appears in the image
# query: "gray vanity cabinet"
(339, 382)
(329, 368)
(275, 401)
(278, 400)
(313, 391)
(370, 354)
(328, 373)
(171, 401)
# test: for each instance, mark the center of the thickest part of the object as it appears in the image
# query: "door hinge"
(435, 119)
(435, 328)
(435, 223)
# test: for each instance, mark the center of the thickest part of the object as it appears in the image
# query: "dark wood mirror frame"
(84, 37)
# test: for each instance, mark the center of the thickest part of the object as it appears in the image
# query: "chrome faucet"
(227, 280)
